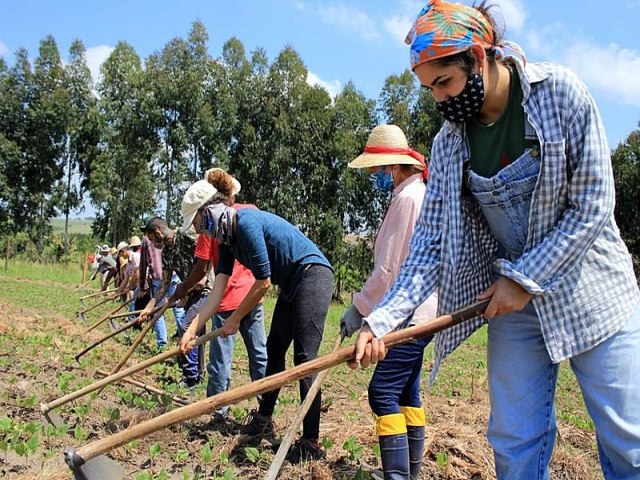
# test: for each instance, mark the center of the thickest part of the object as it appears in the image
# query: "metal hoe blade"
(113, 323)
(53, 418)
(98, 468)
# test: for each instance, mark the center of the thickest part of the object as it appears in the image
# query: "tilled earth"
(36, 366)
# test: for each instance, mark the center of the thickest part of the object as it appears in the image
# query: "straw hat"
(122, 245)
(387, 145)
(134, 241)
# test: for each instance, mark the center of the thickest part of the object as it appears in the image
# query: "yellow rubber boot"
(394, 447)
(416, 421)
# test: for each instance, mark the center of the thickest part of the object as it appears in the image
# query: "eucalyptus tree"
(247, 81)
(82, 134)
(166, 81)
(357, 208)
(424, 124)
(626, 169)
(15, 96)
(120, 181)
(396, 99)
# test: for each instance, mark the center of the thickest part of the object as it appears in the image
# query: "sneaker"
(305, 449)
(190, 383)
(258, 424)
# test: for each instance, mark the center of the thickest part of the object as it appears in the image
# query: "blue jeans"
(522, 377)
(178, 312)
(190, 363)
(221, 351)
(396, 379)
(159, 328)
(522, 382)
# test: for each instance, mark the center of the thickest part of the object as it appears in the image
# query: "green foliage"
(353, 448)
(442, 459)
(22, 438)
(626, 167)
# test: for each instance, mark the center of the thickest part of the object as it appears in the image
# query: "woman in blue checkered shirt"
(519, 209)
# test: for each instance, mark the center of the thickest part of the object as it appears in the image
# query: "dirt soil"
(456, 446)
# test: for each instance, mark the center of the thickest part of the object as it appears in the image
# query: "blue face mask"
(382, 181)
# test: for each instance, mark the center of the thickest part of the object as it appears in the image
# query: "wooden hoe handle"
(76, 458)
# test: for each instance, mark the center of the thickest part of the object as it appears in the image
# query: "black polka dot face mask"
(466, 104)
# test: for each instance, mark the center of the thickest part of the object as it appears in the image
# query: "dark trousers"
(300, 321)
(396, 379)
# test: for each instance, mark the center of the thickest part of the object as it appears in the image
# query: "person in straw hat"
(520, 211)
(394, 389)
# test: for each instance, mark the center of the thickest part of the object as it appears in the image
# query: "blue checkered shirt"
(574, 263)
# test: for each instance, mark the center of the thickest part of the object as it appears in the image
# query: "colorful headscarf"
(443, 29)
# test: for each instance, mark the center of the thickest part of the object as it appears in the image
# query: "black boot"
(394, 450)
(415, 438)
(394, 446)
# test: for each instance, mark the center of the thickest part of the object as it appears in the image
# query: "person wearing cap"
(177, 262)
(150, 280)
(121, 279)
(394, 389)
(130, 280)
(277, 253)
(252, 324)
(519, 211)
(107, 267)
(102, 251)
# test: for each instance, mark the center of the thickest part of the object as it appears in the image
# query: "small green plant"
(376, 450)
(327, 443)
(79, 433)
(206, 454)
(181, 456)
(442, 459)
(253, 454)
(63, 381)
(227, 475)
(353, 448)
(154, 451)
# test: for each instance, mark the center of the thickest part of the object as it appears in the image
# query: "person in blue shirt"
(277, 253)
(520, 210)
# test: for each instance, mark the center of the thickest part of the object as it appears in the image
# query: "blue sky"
(342, 40)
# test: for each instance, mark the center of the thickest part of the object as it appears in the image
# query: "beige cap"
(194, 198)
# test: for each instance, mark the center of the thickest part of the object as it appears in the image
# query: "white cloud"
(345, 19)
(611, 69)
(513, 13)
(4, 50)
(332, 87)
(96, 57)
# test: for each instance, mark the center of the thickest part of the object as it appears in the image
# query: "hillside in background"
(77, 225)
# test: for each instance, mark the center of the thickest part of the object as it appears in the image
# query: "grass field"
(39, 336)
(76, 226)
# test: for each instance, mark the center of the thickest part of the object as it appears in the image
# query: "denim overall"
(522, 377)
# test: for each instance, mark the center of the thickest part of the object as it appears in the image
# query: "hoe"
(53, 418)
(89, 461)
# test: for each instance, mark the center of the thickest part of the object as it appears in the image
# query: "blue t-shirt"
(272, 248)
